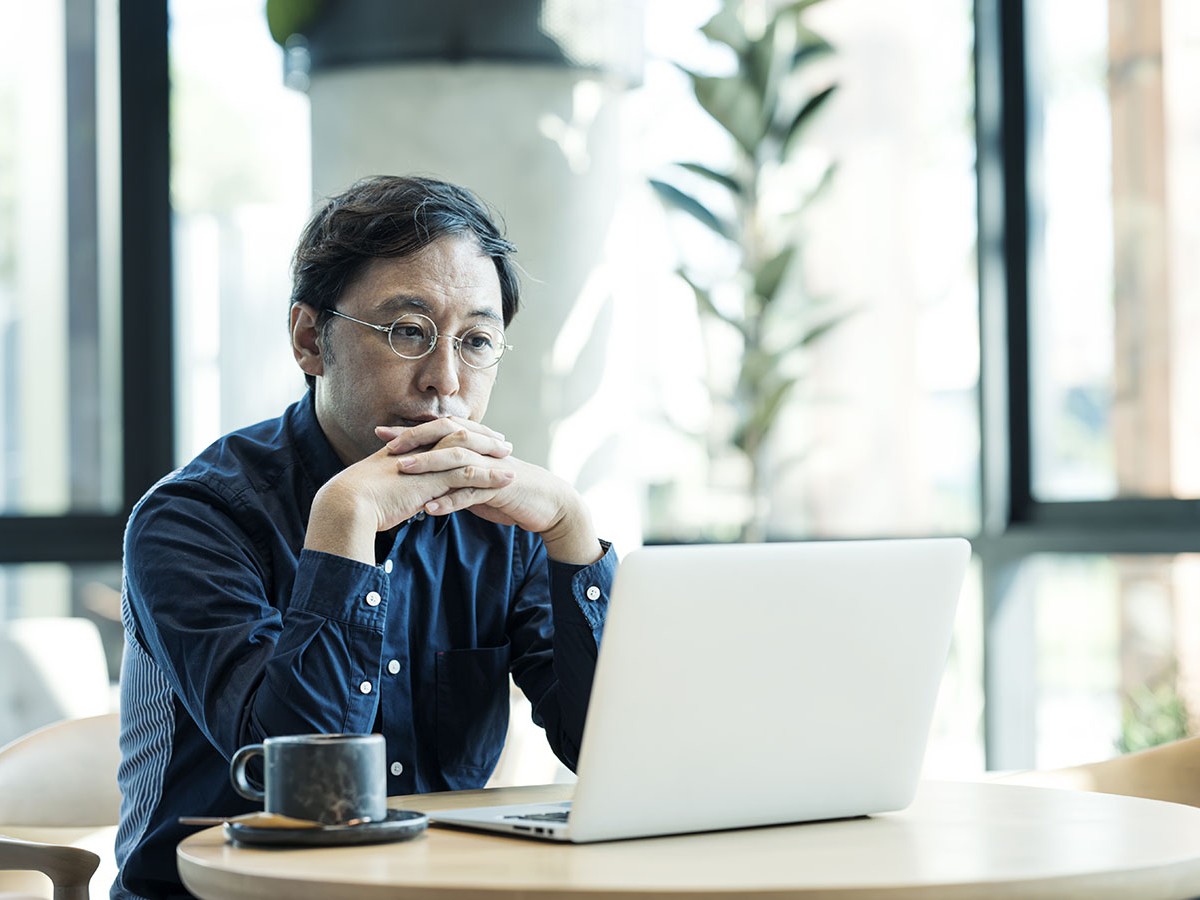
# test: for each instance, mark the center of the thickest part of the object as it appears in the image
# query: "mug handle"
(237, 771)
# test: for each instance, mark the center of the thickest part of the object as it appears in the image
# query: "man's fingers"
(401, 439)
(462, 498)
(442, 460)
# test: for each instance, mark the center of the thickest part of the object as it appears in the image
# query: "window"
(1114, 173)
(882, 434)
(239, 203)
(60, 363)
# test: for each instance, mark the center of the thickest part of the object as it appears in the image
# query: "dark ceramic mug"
(334, 779)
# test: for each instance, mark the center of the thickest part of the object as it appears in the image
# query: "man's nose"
(439, 370)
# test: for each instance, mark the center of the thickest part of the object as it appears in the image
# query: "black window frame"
(147, 389)
(1015, 525)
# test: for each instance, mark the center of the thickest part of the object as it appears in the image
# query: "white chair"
(59, 805)
(51, 668)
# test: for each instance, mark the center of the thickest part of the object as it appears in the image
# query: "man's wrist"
(572, 539)
(341, 524)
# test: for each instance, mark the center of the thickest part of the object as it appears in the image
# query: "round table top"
(957, 839)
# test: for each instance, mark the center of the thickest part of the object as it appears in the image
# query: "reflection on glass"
(1114, 673)
(1114, 177)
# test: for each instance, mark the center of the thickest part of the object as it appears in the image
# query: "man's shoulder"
(259, 459)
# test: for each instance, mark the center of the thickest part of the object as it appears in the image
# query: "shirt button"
(593, 593)
(388, 565)
(420, 516)
(397, 768)
(365, 687)
(373, 598)
(394, 666)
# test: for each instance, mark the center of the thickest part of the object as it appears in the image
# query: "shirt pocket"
(472, 713)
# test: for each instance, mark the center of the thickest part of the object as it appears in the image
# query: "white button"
(394, 666)
(420, 516)
(397, 768)
(373, 598)
(388, 565)
(365, 687)
(593, 593)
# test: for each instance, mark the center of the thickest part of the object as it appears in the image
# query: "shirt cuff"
(341, 589)
(588, 586)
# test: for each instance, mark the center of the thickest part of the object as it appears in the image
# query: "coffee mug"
(334, 779)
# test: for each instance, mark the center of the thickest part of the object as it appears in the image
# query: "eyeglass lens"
(414, 336)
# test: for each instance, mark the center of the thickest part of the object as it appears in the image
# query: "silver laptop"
(756, 684)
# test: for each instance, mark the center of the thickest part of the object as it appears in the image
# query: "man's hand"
(376, 494)
(514, 493)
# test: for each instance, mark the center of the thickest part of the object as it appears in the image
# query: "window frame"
(147, 389)
(1014, 524)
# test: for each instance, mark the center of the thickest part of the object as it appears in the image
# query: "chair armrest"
(70, 868)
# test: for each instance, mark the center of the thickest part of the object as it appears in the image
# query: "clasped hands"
(452, 464)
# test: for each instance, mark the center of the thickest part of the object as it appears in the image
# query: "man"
(376, 559)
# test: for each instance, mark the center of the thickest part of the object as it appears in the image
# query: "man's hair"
(387, 216)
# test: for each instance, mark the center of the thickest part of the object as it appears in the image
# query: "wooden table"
(962, 840)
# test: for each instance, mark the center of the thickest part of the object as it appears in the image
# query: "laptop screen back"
(751, 684)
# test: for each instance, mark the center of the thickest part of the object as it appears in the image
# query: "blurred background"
(817, 270)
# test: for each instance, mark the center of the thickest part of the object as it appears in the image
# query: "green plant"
(288, 17)
(1151, 716)
(754, 206)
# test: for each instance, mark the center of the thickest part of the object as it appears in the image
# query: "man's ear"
(306, 345)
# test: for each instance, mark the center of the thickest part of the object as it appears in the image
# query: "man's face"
(361, 383)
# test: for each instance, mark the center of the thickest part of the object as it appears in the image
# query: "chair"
(1168, 772)
(59, 805)
(69, 868)
(51, 668)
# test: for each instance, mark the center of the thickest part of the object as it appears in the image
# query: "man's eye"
(478, 340)
(409, 332)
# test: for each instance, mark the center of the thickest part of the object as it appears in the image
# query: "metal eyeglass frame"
(458, 341)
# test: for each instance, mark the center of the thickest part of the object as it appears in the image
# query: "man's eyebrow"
(401, 303)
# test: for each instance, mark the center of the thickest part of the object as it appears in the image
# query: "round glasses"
(414, 336)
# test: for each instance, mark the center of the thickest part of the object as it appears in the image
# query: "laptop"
(740, 685)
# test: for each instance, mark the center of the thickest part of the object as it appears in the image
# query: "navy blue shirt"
(234, 632)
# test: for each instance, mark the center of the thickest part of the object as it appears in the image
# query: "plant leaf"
(288, 17)
(810, 52)
(728, 182)
(807, 111)
(726, 28)
(796, 8)
(770, 274)
(673, 196)
(706, 305)
(765, 408)
(733, 102)
(759, 62)
(813, 334)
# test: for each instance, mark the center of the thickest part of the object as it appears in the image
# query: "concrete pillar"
(540, 145)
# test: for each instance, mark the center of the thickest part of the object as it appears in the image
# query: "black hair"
(391, 216)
